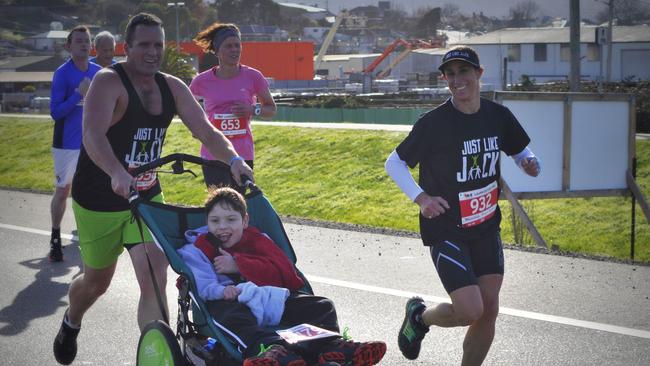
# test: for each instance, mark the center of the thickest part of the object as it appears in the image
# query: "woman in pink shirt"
(232, 94)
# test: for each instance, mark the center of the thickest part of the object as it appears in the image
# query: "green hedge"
(640, 89)
(352, 115)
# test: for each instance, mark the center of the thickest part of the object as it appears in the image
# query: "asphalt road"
(555, 310)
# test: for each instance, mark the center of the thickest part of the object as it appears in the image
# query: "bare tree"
(449, 12)
(523, 13)
(626, 12)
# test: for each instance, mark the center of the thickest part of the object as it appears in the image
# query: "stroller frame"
(186, 344)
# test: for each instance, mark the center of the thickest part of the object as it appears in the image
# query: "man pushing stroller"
(230, 253)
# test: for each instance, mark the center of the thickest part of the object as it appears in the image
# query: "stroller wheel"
(158, 346)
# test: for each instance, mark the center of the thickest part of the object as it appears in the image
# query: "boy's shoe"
(56, 251)
(65, 343)
(412, 332)
(275, 355)
(347, 352)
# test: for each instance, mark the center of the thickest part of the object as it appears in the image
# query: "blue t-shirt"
(66, 104)
(94, 60)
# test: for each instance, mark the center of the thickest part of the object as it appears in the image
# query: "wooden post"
(566, 144)
(636, 192)
(574, 14)
(519, 211)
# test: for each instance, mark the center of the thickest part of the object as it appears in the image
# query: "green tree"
(113, 13)
(29, 89)
(428, 24)
(177, 63)
(152, 8)
(249, 12)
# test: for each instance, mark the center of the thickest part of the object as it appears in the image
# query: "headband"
(221, 36)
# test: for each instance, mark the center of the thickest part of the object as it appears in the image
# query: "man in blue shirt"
(69, 86)
(104, 44)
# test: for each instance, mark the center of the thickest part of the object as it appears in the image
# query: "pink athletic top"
(219, 95)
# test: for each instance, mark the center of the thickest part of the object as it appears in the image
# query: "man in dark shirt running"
(128, 109)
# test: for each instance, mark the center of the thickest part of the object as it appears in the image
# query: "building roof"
(347, 57)
(307, 8)
(52, 34)
(432, 51)
(12, 63)
(259, 29)
(621, 34)
(25, 77)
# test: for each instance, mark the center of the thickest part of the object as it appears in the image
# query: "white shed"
(544, 54)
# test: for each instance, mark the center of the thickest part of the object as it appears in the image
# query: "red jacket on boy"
(259, 260)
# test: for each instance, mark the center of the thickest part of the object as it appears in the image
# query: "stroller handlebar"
(177, 168)
(177, 158)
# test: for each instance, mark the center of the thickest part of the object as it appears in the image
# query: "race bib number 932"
(479, 205)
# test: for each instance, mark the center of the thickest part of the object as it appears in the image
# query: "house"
(13, 82)
(544, 54)
(52, 40)
(315, 34)
(37, 71)
(17, 63)
(263, 33)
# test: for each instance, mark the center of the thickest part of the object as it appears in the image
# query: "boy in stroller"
(231, 252)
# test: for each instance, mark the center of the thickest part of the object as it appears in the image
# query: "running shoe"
(65, 343)
(347, 352)
(412, 331)
(56, 251)
(275, 355)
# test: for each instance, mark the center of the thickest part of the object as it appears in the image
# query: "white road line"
(437, 299)
(37, 231)
(503, 310)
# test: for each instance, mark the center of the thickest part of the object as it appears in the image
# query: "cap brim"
(457, 59)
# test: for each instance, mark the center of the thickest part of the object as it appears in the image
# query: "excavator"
(408, 45)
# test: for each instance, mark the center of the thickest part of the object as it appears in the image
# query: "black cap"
(460, 54)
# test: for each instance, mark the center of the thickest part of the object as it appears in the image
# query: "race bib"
(145, 180)
(478, 205)
(231, 126)
(305, 332)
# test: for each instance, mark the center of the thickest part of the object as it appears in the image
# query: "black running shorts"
(461, 262)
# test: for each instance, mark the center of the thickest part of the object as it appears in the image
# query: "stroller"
(198, 339)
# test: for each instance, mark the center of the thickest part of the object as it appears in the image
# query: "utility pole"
(574, 82)
(610, 24)
(176, 5)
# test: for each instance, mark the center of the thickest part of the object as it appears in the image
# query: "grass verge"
(338, 175)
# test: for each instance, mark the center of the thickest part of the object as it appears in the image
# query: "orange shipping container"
(277, 60)
(280, 60)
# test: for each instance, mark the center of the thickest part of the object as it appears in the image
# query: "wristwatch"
(258, 109)
(235, 158)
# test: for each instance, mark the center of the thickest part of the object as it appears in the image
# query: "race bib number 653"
(478, 205)
(231, 126)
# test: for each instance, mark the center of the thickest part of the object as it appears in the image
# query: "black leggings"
(299, 308)
(221, 177)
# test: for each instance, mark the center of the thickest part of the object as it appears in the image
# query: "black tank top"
(136, 139)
